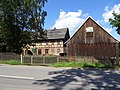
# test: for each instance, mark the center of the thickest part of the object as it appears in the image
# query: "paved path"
(49, 78)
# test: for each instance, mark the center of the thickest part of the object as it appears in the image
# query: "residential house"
(53, 45)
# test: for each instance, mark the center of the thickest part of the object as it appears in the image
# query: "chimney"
(54, 28)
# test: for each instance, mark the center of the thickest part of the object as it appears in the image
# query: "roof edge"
(104, 29)
(97, 24)
(56, 28)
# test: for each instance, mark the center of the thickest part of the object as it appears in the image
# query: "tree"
(115, 22)
(18, 17)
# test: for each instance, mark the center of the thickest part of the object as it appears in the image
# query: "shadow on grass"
(82, 79)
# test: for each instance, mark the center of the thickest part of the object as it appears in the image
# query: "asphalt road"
(49, 78)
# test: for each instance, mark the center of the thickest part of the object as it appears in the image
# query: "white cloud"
(71, 20)
(109, 11)
(85, 15)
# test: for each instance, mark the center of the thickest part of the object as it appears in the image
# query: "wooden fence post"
(21, 58)
(43, 59)
(57, 59)
(32, 59)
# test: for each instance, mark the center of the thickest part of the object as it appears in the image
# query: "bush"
(100, 65)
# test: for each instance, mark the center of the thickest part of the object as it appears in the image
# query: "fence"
(89, 59)
(56, 59)
(77, 59)
(38, 60)
(31, 59)
(9, 56)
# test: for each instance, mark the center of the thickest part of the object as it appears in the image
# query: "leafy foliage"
(115, 22)
(18, 18)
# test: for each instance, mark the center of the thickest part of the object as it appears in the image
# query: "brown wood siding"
(103, 46)
(98, 50)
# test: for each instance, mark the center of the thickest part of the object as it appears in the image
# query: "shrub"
(100, 65)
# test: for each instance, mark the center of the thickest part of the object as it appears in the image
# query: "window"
(46, 51)
(39, 51)
(52, 51)
(58, 50)
(89, 29)
(89, 37)
(89, 34)
(46, 43)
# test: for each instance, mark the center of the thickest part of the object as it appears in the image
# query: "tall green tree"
(115, 22)
(18, 16)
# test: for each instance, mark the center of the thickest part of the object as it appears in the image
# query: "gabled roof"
(96, 23)
(103, 28)
(57, 33)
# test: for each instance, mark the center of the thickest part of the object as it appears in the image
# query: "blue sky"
(72, 13)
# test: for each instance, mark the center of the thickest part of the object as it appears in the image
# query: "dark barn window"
(89, 37)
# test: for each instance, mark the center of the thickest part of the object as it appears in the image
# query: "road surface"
(50, 78)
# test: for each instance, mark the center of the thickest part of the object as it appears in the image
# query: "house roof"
(97, 24)
(57, 33)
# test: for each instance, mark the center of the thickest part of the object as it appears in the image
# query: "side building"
(53, 45)
(91, 39)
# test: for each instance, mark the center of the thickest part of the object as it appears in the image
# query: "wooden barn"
(91, 39)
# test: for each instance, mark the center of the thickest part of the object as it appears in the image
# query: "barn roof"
(103, 28)
(97, 24)
(57, 33)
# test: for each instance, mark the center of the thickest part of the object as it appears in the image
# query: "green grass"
(65, 64)
(70, 64)
(83, 65)
(11, 62)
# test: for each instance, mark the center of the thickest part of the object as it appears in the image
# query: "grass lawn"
(65, 64)
(11, 62)
(83, 65)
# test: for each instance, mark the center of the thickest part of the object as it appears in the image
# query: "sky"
(72, 14)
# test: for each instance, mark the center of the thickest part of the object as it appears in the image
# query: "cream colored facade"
(45, 48)
(52, 45)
